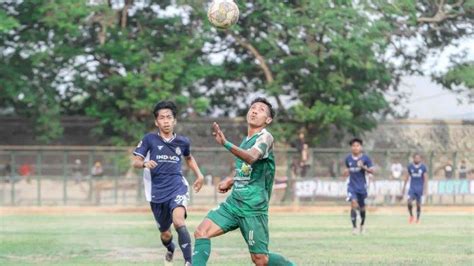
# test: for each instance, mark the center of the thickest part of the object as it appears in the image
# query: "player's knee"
(354, 204)
(166, 236)
(178, 222)
(260, 259)
(200, 233)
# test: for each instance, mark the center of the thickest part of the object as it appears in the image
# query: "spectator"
(463, 170)
(448, 170)
(26, 170)
(7, 172)
(97, 171)
(396, 169)
(77, 171)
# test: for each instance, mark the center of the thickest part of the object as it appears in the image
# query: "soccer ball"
(223, 13)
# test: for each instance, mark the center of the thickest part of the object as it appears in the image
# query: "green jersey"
(253, 183)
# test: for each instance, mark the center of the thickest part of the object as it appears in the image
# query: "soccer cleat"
(355, 231)
(187, 263)
(411, 220)
(169, 258)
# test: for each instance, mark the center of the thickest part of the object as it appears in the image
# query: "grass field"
(306, 238)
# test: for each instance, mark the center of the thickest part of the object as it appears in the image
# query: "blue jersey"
(167, 179)
(416, 173)
(357, 180)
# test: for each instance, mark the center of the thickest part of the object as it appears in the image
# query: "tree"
(326, 64)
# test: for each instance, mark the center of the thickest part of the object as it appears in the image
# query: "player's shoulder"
(266, 135)
(182, 139)
(348, 157)
(265, 132)
(150, 136)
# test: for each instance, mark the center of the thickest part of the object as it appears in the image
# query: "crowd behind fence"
(54, 175)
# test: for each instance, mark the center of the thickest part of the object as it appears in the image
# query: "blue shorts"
(358, 196)
(415, 194)
(163, 212)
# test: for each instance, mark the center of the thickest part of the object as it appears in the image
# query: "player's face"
(356, 148)
(165, 121)
(258, 115)
(417, 159)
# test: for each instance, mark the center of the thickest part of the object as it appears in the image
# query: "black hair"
(267, 103)
(356, 140)
(165, 105)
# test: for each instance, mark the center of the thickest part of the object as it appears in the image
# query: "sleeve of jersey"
(346, 161)
(368, 162)
(187, 148)
(142, 148)
(264, 144)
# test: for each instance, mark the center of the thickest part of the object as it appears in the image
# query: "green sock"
(278, 260)
(202, 250)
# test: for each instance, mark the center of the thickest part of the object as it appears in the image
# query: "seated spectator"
(396, 169)
(462, 170)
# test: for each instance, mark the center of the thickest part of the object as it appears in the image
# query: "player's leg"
(184, 239)
(218, 222)
(410, 206)
(163, 220)
(351, 197)
(255, 232)
(361, 202)
(418, 207)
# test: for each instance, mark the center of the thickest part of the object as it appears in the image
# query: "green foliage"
(326, 61)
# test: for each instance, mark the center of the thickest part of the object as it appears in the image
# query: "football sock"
(362, 216)
(168, 244)
(418, 212)
(410, 209)
(354, 217)
(202, 250)
(184, 241)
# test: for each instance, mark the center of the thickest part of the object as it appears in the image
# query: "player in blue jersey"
(165, 187)
(418, 175)
(358, 166)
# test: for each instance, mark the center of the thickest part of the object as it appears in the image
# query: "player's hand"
(218, 134)
(150, 164)
(198, 183)
(225, 185)
(360, 163)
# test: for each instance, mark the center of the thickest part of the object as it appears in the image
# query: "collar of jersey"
(256, 134)
(168, 141)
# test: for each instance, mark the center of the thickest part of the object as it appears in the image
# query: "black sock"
(168, 244)
(418, 212)
(410, 209)
(184, 241)
(354, 217)
(362, 216)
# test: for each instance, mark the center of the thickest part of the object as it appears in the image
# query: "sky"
(428, 100)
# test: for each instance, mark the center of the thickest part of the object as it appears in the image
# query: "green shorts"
(254, 229)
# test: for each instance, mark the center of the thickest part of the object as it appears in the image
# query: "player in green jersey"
(247, 206)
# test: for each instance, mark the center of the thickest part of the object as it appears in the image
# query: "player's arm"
(405, 181)
(226, 184)
(425, 183)
(345, 173)
(139, 162)
(192, 164)
(141, 150)
(367, 166)
(248, 156)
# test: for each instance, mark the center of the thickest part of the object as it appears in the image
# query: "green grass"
(308, 239)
